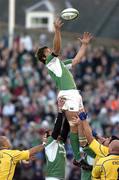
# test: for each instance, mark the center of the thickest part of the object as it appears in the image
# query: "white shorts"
(51, 178)
(73, 100)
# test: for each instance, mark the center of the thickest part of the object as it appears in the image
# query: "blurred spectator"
(26, 41)
(43, 39)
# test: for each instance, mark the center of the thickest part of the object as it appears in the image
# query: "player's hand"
(58, 23)
(86, 38)
(75, 121)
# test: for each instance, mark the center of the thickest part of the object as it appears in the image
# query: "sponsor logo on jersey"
(115, 162)
(71, 108)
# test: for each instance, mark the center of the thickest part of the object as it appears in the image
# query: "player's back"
(7, 164)
(110, 167)
(8, 161)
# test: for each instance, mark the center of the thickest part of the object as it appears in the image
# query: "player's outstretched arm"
(86, 127)
(57, 37)
(98, 149)
(87, 37)
(36, 149)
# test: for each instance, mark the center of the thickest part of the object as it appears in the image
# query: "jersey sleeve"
(99, 149)
(68, 63)
(89, 151)
(21, 155)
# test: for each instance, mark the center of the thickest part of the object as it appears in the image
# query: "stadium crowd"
(28, 103)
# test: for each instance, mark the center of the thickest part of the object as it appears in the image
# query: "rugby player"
(86, 164)
(63, 78)
(9, 158)
(107, 168)
(54, 149)
(87, 157)
(106, 150)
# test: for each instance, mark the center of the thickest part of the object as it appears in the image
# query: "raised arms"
(86, 127)
(36, 149)
(87, 131)
(87, 37)
(57, 37)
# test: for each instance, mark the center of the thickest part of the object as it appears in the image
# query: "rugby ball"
(69, 14)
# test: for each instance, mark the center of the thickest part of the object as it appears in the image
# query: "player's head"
(5, 143)
(42, 54)
(47, 133)
(107, 141)
(114, 146)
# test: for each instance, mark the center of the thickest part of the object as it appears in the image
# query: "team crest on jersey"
(71, 108)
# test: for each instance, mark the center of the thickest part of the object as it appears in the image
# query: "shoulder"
(50, 57)
(8, 152)
(50, 141)
(18, 152)
(93, 143)
(108, 158)
(13, 153)
(101, 160)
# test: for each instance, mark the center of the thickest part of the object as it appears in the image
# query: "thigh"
(73, 101)
(69, 115)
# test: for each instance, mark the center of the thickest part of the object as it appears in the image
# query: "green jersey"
(56, 158)
(89, 152)
(60, 73)
(89, 159)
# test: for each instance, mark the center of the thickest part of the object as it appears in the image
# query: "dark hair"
(40, 54)
(47, 132)
(114, 138)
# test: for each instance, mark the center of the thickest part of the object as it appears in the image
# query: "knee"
(83, 141)
(73, 129)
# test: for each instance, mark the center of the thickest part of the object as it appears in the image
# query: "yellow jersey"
(99, 149)
(8, 161)
(107, 168)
